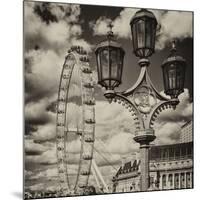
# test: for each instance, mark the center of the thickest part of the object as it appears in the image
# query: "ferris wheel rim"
(79, 61)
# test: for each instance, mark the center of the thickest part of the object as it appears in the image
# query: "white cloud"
(174, 25)
(167, 132)
(168, 124)
(47, 157)
(55, 35)
(112, 119)
(83, 43)
(122, 143)
(36, 112)
(60, 11)
(121, 26)
(33, 148)
(44, 132)
(183, 111)
(45, 73)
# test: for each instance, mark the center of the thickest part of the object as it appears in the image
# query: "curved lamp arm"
(158, 108)
(135, 113)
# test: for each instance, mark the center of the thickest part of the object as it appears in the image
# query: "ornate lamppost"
(142, 100)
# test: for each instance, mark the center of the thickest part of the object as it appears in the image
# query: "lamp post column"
(144, 153)
(144, 137)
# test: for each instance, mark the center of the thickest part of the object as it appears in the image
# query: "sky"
(49, 31)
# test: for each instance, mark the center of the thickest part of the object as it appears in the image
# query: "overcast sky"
(49, 31)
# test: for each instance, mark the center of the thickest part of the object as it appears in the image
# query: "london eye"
(75, 97)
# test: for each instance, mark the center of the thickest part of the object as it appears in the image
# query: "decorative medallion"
(144, 98)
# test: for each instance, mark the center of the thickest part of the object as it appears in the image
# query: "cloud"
(55, 34)
(83, 43)
(167, 21)
(174, 25)
(45, 69)
(111, 119)
(168, 124)
(121, 26)
(183, 111)
(36, 113)
(28, 174)
(168, 132)
(32, 148)
(45, 152)
(47, 157)
(122, 143)
(46, 44)
(44, 133)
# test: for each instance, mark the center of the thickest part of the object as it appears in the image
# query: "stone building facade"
(171, 167)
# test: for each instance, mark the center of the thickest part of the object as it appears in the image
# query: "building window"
(188, 180)
(171, 153)
(170, 180)
(182, 180)
(164, 154)
(176, 181)
(177, 153)
(164, 180)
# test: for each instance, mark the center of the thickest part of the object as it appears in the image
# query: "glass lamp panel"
(178, 78)
(99, 67)
(114, 59)
(180, 73)
(148, 33)
(141, 33)
(172, 76)
(166, 78)
(134, 36)
(105, 63)
(153, 38)
(120, 63)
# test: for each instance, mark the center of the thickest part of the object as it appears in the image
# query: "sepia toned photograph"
(108, 99)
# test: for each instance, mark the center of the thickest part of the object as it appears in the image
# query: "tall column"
(144, 153)
(179, 185)
(144, 137)
(167, 182)
(185, 177)
(161, 182)
(173, 179)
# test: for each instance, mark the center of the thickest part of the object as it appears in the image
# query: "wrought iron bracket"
(142, 99)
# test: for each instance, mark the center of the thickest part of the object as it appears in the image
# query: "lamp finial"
(173, 49)
(110, 32)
